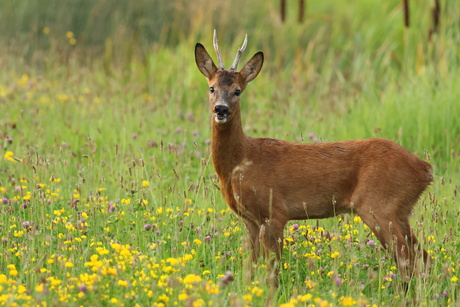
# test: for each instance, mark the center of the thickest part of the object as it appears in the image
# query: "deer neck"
(228, 146)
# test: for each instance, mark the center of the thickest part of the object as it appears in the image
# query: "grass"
(108, 193)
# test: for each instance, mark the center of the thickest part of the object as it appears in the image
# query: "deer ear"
(204, 61)
(252, 68)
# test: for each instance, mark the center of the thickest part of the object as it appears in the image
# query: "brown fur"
(269, 182)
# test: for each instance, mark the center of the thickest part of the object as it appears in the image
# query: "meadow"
(108, 193)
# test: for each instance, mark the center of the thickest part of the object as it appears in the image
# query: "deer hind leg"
(394, 232)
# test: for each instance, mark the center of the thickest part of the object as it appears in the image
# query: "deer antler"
(239, 53)
(219, 55)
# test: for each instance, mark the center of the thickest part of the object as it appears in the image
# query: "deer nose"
(221, 110)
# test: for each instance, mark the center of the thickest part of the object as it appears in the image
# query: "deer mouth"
(220, 118)
(221, 113)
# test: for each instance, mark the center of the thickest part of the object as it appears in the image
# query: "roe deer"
(268, 182)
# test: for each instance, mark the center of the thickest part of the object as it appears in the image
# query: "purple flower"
(295, 227)
(191, 117)
(134, 136)
(5, 200)
(311, 135)
(370, 243)
(338, 281)
(26, 224)
(227, 278)
(147, 227)
(444, 293)
(83, 288)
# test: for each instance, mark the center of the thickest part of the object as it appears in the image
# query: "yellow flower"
(348, 301)
(335, 255)
(9, 156)
(183, 296)
(257, 291)
(39, 288)
(21, 289)
(247, 298)
(145, 183)
(46, 30)
(191, 278)
(13, 272)
(69, 34)
(197, 242)
(454, 279)
(123, 283)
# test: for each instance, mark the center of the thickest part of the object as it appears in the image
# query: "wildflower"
(145, 183)
(21, 289)
(197, 242)
(454, 279)
(9, 156)
(191, 278)
(227, 278)
(147, 227)
(82, 288)
(309, 284)
(46, 30)
(5, 200)
(370, 243)
(335, 255)
(338, 281)
(348, 301)
(40, 287)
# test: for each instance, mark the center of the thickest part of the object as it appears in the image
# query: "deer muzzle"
(221, 113)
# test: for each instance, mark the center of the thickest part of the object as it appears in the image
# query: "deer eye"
(237, 92)
(211, 89)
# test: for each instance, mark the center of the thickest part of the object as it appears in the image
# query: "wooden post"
(435, 16)
(283, 10)
(406, 12)
(301, 10)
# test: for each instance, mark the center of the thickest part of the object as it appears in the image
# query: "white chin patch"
(220, 119)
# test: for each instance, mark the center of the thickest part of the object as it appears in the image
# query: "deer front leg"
(253, 239)
(271, 234)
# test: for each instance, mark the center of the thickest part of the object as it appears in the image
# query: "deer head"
(226, 86)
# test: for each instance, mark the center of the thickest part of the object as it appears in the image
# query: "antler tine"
(216, 47)
(239, 53)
